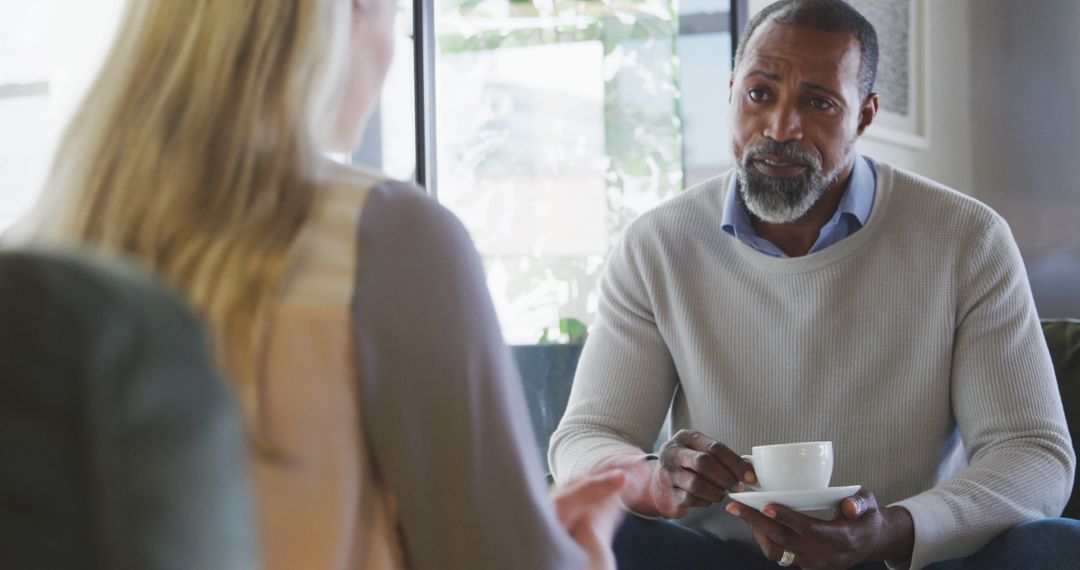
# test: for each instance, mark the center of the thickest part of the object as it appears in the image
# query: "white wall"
(1026, 134)
(1002, 88)
(944, 46)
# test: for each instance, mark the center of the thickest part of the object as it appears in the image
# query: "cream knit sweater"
(913, 345)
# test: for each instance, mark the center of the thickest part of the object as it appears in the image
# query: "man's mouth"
(771, 165)
(779, 168)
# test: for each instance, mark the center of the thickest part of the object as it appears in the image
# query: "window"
(50, 51)
(25, 69)
(557, 123)
(389, 141)
(609, 107)
(706, 48)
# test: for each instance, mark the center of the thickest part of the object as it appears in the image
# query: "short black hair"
(826, 15)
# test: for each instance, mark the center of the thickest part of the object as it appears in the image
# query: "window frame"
(424, 73)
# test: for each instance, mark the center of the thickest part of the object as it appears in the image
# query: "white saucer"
(807, 500)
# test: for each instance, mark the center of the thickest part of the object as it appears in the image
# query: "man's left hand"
(861, 532)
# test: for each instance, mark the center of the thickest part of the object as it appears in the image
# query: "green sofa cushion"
(1063, 338)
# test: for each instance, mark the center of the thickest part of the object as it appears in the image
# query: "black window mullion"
(424, 73)
(738, 13)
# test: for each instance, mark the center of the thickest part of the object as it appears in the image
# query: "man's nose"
(784, 124)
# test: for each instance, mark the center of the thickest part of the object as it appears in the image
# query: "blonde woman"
(351, 312)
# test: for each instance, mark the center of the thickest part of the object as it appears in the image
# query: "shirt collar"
(858, 199)
(736, 218)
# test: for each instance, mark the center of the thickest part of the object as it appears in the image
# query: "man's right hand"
(692, 471)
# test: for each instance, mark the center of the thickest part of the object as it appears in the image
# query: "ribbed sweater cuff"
(935, 530)
(570, 466)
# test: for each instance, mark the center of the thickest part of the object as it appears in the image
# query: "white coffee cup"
(792, 466)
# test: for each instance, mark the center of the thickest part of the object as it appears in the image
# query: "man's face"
(796, 114)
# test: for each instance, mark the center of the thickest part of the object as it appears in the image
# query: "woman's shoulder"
(359, 189)
(361, 217)
(389, 209)
(347, 187)
(325, 254)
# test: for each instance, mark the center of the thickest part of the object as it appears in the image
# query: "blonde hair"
(197, 151)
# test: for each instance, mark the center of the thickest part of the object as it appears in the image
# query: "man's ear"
(868, 111)
(730, 86)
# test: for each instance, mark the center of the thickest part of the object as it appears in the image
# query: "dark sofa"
(1063, 338)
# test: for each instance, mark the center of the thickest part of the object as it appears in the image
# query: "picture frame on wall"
(901, 80)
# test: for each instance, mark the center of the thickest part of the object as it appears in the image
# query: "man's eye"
(757, 95)
(821, 104)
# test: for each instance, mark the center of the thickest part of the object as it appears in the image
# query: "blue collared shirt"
(851, 214)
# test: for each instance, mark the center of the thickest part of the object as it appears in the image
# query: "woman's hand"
(591, 508)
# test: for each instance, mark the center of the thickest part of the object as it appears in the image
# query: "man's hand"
(692, 471)
(861, 532)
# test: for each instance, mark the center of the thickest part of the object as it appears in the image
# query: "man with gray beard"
(815, 294)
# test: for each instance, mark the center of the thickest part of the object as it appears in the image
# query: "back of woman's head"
(196, 151)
